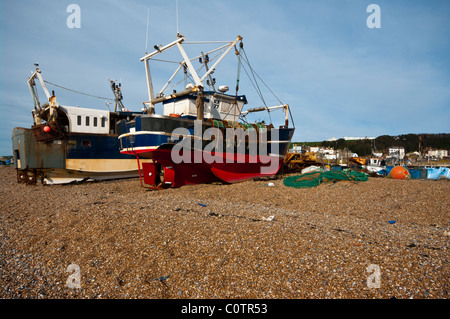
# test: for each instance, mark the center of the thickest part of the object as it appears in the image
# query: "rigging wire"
(268, 87)
(254, 73)
(253, 77)
(168, 61)
(256, 82)
(188, 75)
(62, 87)
(234, 105)
(256, 87)
(259, 91)
(292, 118)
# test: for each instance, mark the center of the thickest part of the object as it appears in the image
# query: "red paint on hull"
(203, 168)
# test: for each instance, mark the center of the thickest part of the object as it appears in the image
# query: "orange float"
(399, 172)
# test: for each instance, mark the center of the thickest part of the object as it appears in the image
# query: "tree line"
(410, 142)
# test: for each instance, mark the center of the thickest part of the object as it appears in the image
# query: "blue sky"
(340, 77)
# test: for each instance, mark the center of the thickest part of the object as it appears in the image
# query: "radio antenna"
(178, 31)
(146, 37)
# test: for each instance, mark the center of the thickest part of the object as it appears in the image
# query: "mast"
(37, 106)
(151, 94)
(145, 59)
(118, 97)
(200, 104)
(185, 62)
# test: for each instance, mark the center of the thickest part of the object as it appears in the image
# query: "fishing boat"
(203, 134)
(69, 144)
(375, 166)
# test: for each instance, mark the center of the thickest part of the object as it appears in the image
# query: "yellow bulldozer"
(295, 162)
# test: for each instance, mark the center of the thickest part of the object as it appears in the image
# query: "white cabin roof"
(86, 120)
(217, 106)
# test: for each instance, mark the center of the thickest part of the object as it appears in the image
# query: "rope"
(61, 87)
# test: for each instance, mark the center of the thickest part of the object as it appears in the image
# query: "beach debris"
(310, 169)
(438, 172)
(268, 219)
(392, 222)
(203, 205)
(271, 184)
(162, 278)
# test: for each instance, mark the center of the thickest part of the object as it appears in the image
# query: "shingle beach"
(381, 238)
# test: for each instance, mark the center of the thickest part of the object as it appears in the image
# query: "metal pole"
(150, 87)
(148, 56)
(221, 58)
(194, 74)
(38, 74)
(200, 105)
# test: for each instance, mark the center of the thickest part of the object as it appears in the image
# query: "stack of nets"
(313, 179)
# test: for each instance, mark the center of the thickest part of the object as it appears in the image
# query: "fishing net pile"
(313, 179)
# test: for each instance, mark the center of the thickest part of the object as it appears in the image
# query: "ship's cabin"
(218, 106)
(72, 119)
(83, 120)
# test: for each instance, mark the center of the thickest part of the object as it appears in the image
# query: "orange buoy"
(399, 172)
(46, 129)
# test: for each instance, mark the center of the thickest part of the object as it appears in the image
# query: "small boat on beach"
(375, 166)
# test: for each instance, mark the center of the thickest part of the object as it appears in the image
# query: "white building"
(377, 154)
(437, 153)
(398, 152)
(350, 138)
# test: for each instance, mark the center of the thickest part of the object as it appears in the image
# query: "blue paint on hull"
(90, 146)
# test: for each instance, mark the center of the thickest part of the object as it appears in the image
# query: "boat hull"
(163, 172)
(174, 166)
(75, 158)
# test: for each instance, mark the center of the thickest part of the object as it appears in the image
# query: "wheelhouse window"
(79, 119)
(95, 121)
(87, 120)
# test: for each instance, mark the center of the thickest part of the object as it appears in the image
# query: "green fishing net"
(313, 179)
